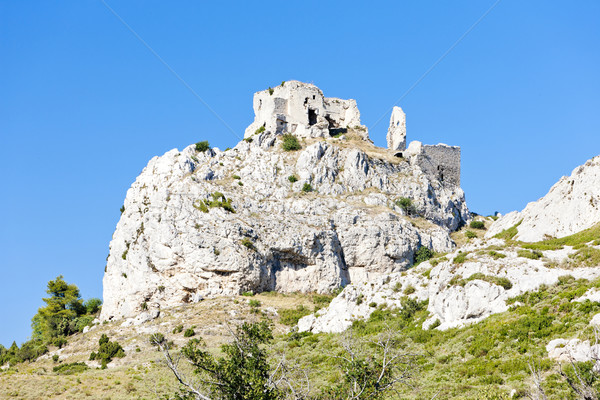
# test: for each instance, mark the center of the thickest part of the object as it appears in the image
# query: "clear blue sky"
(84, 105)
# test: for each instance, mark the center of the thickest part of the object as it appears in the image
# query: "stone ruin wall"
(441, 161)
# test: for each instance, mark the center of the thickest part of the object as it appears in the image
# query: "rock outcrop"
(571, 205)
(257, 218)
(396, 135)
(458, 293)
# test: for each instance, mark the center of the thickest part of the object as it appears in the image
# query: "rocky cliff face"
(476, 281)
(571, 205)
(458, 293)
(210, 223)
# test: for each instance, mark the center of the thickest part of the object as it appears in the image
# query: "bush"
(189, 332)
(202, 146)
(460, 258)
(406, 205)
(254, 303)
(259, 130)
(107, 350)
(70, 369)
(178, 329)
(292, 178)
(236, 177)
(246, 242)
(307, 188)
(510, 233)
(422, 254)
(291, 316)
(410, 289)
(470, 235)
(477, 225)
(290, 143)
(533, 255)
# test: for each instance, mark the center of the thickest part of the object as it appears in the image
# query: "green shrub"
(248, 294)
(55, 358)
(246, 242)
(290, 143)
(422, 254)
(122, 209)
(510, 233)
(271, 90)
(259, 130)
(291, 316)
(189, 332)
(178, 329)
(107, 350)
(70, 369)
(410, 289)
(587, 256)
(236, 177)
(307, 188)
(359, 299)
(406, 205)
(470, 234)
(460, 258)
(477, 225)
(202, 146)
(254, 303)
(292, 178)
(534, 255)
(495, 255)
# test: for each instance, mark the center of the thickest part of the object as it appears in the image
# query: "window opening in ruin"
(334, 127)
(305, 101)
(312, 116)
(259, 104)
(399, 155)
(313, 96)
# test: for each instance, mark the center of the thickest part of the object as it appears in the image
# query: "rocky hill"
(310, 211)
(571, 205)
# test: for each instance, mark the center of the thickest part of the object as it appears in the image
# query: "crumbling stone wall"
(442, 161)
(302, 109)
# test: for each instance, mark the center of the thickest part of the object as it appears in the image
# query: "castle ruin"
(302, 110)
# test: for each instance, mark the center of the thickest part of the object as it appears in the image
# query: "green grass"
(491, 356)
(503, 282)
(531, 254)
(586, 236)
(510, 233)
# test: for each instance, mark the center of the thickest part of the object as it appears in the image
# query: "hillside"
(334, 243)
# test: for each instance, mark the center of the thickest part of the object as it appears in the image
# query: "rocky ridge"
(462, 287)
(571, 205)
(257, 218)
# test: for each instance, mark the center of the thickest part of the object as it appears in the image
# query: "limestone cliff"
(257, 218)
(571, 205)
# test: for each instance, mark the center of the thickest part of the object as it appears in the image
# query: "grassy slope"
(484, 360)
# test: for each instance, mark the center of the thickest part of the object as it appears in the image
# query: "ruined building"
(301, 109)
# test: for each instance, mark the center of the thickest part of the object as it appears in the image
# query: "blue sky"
(84, 105)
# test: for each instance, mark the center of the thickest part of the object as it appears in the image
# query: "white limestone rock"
(396, 135)
(571, 205)
(166, 250)
(455, 297)
(301, 109)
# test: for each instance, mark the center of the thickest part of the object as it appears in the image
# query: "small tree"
(202, 146)
(242, 373)
(290, 143)
(406, 205)
(370, 369)
(63, 306)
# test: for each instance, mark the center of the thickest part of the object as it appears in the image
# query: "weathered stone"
(571, 205)
(396, 135)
